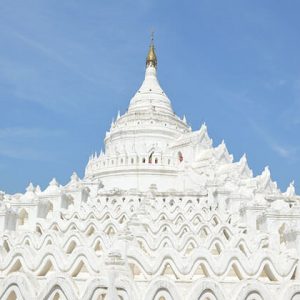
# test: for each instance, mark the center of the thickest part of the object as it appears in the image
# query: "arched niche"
(99, 294)
(57, 295)
(162, 288)
(207, 295)
(296, 296)
(206, 290)
(254, 296)
(12, 296)
(58, 288)
(254, 290)
(291, 292)
(22, 217)
(162, 295)
(12, 293)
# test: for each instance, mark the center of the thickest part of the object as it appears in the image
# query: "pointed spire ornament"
(53, 182)
(74, 177)
(243, 158)
(30, 188)
(30, 193)
(291, 192)
(203, 127)
(266, 170)
(38, 189)
(151, 60)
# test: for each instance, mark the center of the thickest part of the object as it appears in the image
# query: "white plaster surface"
(160, 214)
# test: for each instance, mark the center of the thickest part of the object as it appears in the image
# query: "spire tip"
(151, 60)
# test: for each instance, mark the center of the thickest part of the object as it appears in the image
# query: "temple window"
(226, 234)
(144, 160)
(23, 217)
(150, 158)
(132, 161)
(156, 160)
(180, 156)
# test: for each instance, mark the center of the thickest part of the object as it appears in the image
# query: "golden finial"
(151, 60)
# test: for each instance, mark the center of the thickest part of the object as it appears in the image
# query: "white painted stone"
(161, 213)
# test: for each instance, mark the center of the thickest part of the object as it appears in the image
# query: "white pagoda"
(160, 214)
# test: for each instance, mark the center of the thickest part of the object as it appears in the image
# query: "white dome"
(150, 95)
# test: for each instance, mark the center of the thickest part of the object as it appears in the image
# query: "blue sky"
(67, 67)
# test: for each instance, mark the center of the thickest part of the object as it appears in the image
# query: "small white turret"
(290, 191)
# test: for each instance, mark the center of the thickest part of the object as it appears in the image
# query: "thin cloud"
(10, 132)
(291, 115)
(38, 83)
(27, 83)
(275, 84)
(53, 55)
(18, 142)
(23, 153)
(284, 151)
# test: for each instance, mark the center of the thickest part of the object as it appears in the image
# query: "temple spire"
(151, 60)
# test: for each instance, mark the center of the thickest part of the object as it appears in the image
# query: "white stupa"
(160, 214)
